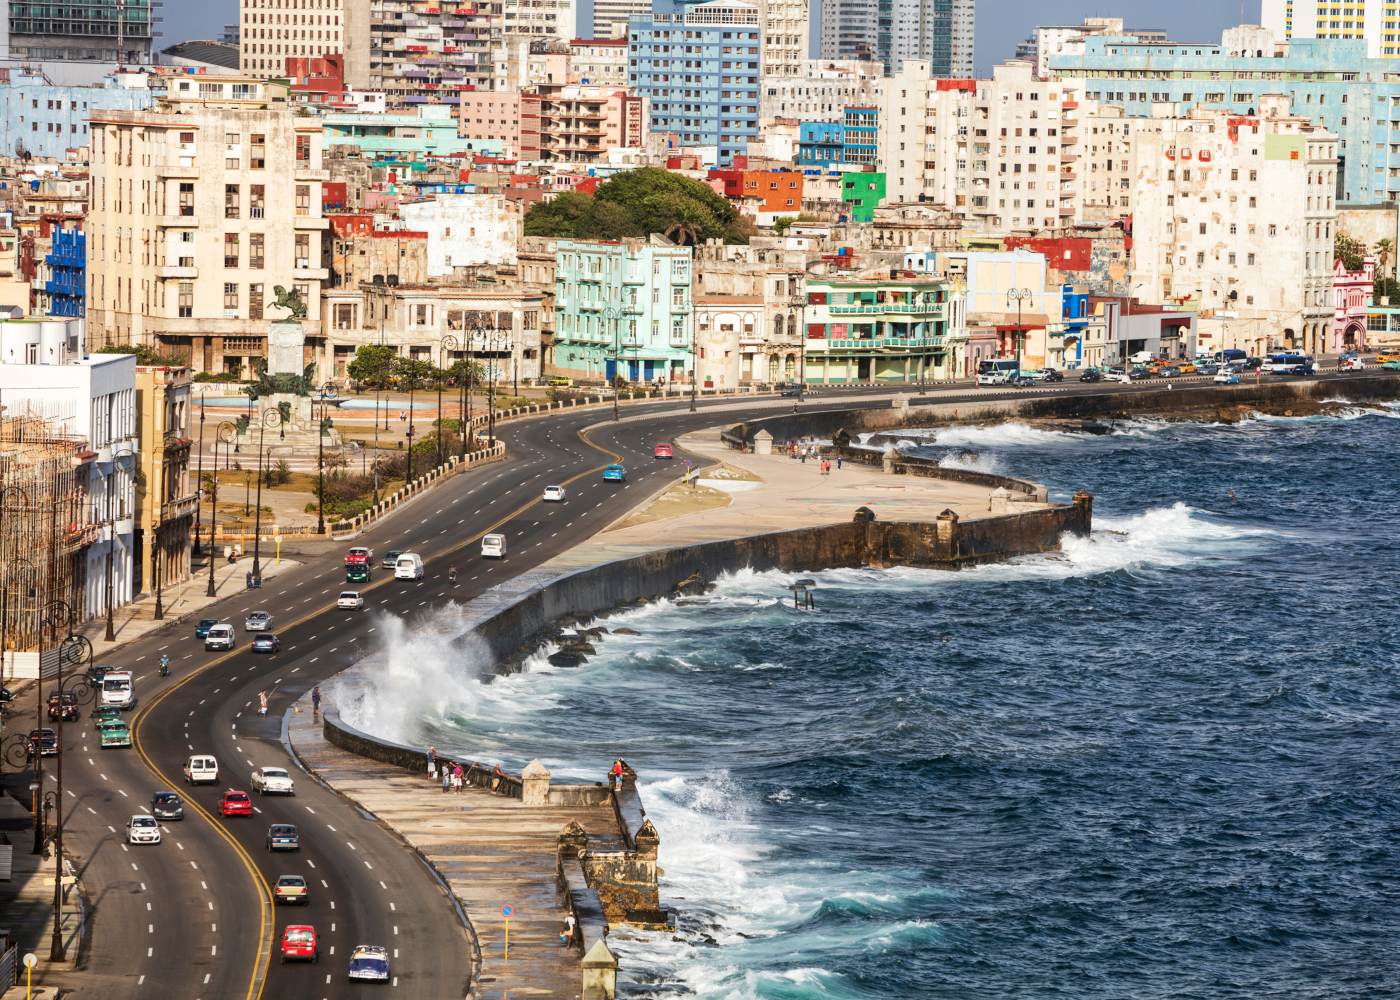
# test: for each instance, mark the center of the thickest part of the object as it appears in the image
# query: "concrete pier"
(492, 850)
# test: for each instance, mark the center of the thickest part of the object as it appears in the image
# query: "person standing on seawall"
(432, 762)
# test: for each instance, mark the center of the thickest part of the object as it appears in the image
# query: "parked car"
(291, 889)
(1226, 378)
(1207, 368)
(235, 803)
(273, 781)
(299, 944)
(205, 624)
(167, 805)
(266, 642)
(1091, 375)
(283, 837)
(350, 599)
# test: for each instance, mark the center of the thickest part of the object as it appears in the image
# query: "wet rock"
(625, 631)
(581, 647)
(596, 632)
(692, 586)
(567, 658)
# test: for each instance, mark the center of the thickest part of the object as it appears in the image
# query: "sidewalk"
(490, 849)
(184, 600)
(27, 904)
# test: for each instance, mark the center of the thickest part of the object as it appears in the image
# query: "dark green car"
(202, 629)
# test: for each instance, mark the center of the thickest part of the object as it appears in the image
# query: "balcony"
(311, 273)
(179, 508)
(306, 174)
(177, 222)
(934, 309)
(177, 271)
(308, 222)
(873, 344)
(178, 171)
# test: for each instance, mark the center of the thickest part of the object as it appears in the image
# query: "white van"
(1141, 357)
(201, 769)
(493, 546)
(997, 371)
(118, 690)
(409, 566)
(219, 637)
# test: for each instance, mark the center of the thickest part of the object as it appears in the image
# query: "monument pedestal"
(297, 435)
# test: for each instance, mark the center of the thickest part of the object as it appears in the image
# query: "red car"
(235, 804)
(663, 450)
(299, 943)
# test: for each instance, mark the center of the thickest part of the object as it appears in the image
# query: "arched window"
(778, 326)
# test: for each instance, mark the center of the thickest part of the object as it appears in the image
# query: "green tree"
(1351, 252)
(639, 203)
(1386, 288)
(144, 355)
(412, 371)
(373, 365)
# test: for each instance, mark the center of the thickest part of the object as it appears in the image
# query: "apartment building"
(1331, 82)
(201, 208)
(1050, 40)
(820, 91)
(610, 17)
(76, 40)
(167, 499)
(1374, 22)
(1001, 151)
(937, 32)
(698, 66)
(1238, 213)
(623, 309)
(784, 28)
(598, 62)
(272, 30)
(867, 329)
(556, 124)
(46, 120)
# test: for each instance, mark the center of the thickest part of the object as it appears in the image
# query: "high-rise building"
(271, 30)
(1372, 21)
(699, 66)
(76, 40)
(610, 17)
(1049, 40)
(937, 32)
(784, 27)
(1332, 83)
(201, 207)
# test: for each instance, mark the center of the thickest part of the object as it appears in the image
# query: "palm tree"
(1384, 248)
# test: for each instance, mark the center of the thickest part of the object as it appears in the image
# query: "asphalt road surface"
(193, 916)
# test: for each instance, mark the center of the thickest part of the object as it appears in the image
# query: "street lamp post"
(497, 342)
(449, 342)
(611, 315)
(225, 433)
(199, 475)
(111, 634)
(412, 381)
(797, 301)
(73, 650)
(271, 418)
(321, 426)
(1018, 297)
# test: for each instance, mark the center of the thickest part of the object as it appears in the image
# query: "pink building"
(1351, 300)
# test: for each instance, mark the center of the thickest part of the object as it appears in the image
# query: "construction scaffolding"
(45, 525)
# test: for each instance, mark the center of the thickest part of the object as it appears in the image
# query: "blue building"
(1076, 315)
(46, 120)
(820, 144)
(67, 284)
(697, 64)
(1333, 83)
(860, 141)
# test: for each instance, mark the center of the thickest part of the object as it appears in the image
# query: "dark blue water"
(1160, 764)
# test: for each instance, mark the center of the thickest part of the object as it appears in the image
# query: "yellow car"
(561, 381)
(1391, 355)
(1186, 367)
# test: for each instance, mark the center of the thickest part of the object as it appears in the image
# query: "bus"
(1290, 363)
(997, 371)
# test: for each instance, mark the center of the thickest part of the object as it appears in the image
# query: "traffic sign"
(507, 911)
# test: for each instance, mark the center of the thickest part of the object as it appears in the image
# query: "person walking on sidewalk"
(316, 702)
(457, 781)
(446, 775)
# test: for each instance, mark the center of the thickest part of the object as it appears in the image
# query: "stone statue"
(289, 300)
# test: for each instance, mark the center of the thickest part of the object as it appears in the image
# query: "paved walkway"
(491, 850)
(26, 906)
(788, 494)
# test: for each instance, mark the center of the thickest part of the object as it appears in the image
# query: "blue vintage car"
(614, 474)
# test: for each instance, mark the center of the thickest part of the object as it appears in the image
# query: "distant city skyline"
(1001, 24)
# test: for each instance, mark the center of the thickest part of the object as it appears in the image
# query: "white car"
(142, 830)
(349, 599)
(1351, 365)
(220, 637)
(273, 781)
(554, 494)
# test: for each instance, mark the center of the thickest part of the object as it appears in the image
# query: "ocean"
(1161, 763)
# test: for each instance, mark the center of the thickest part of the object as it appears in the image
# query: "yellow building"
(166, 499)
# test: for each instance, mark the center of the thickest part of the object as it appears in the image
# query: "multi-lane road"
(193, 916)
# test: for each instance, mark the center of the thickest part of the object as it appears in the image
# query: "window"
(230, 201)
(231, 250)
(303, 199)
(257, 201)
(230, 297)
(255, 251)
(186, 198)
(303, 149)
(185, 302)
(303, 250)
(255, 301)
(257, 151)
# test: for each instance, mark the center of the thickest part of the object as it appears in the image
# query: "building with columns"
(201, 208)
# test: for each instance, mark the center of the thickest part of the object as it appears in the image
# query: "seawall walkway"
(491, 850)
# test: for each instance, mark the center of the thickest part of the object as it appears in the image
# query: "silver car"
(257, 621)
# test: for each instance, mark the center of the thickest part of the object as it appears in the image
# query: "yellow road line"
(258, 981)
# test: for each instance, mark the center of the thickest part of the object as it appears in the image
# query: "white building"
(1375, 21)
(1238, 213)
(464, 230)
(821, 90)
(784, 28)
(92, 399)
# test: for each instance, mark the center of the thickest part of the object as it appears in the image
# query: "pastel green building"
(623, 308)
(876, 329)
(863, 192)
(429, 131)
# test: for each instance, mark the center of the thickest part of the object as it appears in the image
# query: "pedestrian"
(615, 775)
(566, 935)
(316, 702)
(804, 455)
(498, 777)
(262, 702)
(838, 461)
(457, 781)
(446, 775)
(432, 762)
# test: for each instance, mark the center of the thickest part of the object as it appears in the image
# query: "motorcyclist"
(452, 576)
(165, 666)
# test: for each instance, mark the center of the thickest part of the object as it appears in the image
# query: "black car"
(45, 741)
(1168, 371)
(1091, 375)
(1253, 364)
(1139, 374)
(167, 805)
(789, 389)
(1209, 368)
